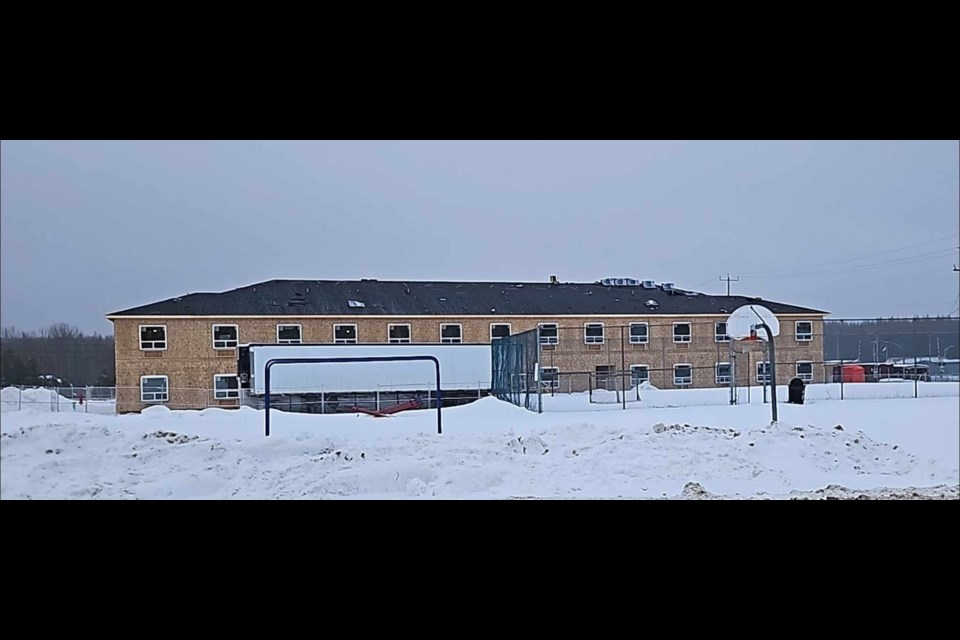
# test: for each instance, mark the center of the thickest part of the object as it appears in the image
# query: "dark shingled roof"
(394, 298)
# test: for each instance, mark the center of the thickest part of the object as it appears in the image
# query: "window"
(639, 333)
(804, 331)
(593, 333)
(550, 377)
(499, 331)
(225, 387)
(153, 337)
(549, 333)
(639, 373)
(153, 388)
(720, 332)
(682, 374)
(723, 372)
(288, 334)
(805, 371)
(763, 372)
(398, 333)
(604, 375)
(344, 334)
(224, 336)
(451, 333)
(681, 332)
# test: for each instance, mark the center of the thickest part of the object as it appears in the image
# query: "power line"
(862, 257)
(861, 267)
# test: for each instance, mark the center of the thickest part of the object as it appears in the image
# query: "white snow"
(43, 400)
(489, 449)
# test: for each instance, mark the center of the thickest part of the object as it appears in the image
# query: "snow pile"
(45, 400)
(651, 396)
(488, 449)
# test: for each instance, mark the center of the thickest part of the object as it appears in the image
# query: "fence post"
(19, 399)
(623, 366)
(841, 376)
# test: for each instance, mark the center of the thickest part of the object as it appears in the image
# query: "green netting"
(515, 361)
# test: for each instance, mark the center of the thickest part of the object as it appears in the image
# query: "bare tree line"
(891, 337)
(57, 355)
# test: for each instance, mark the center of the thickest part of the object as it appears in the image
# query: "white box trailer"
(464, 367)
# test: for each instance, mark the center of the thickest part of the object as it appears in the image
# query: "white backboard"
(747, 318)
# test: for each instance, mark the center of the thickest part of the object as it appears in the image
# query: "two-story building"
(183, 351)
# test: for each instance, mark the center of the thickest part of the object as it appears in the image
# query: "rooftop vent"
(553, 280)
(619, 282)
(649, 284)
(667, 286)
(653, 304)
(355, 303)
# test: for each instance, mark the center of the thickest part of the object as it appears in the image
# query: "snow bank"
(652, 397)
(44, 400)
(489, 449)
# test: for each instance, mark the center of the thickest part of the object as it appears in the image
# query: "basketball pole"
(773, 365)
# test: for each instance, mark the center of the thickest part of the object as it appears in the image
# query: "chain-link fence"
(515, 375)
(101, 400)
(109, 400)
(673, 363)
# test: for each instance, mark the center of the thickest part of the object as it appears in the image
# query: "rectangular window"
(681, 332)
(153, 388)
(225, 336)
(723, 373)
(226, 386)
(550, 377)
(593, 333)
(499, 331)
(682, 375)
(805, 371)
(153, 337)
(804, 331)
(398, 333)
(720, 332)
(288, 334)
(549, 333)
(604, 376)
(639, 373)
(639, 333)
(763, 372)
(452, 333)
(344, 334)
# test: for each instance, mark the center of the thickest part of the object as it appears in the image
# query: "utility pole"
(737, 279)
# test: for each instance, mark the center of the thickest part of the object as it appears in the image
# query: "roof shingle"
(396, 298)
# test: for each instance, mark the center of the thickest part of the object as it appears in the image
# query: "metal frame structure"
(278, 361)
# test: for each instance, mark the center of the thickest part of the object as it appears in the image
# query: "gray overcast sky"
(92, 227)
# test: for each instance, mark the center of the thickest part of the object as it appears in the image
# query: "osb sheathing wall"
(190, 360)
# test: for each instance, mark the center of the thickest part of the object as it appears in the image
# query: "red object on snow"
(81, 398)
(853, 373)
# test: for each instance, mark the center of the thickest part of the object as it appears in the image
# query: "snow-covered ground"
(46, 400)
(651, 396)
(490, 449)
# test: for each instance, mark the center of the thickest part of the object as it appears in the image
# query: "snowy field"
(873, 448)
(650, 396)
